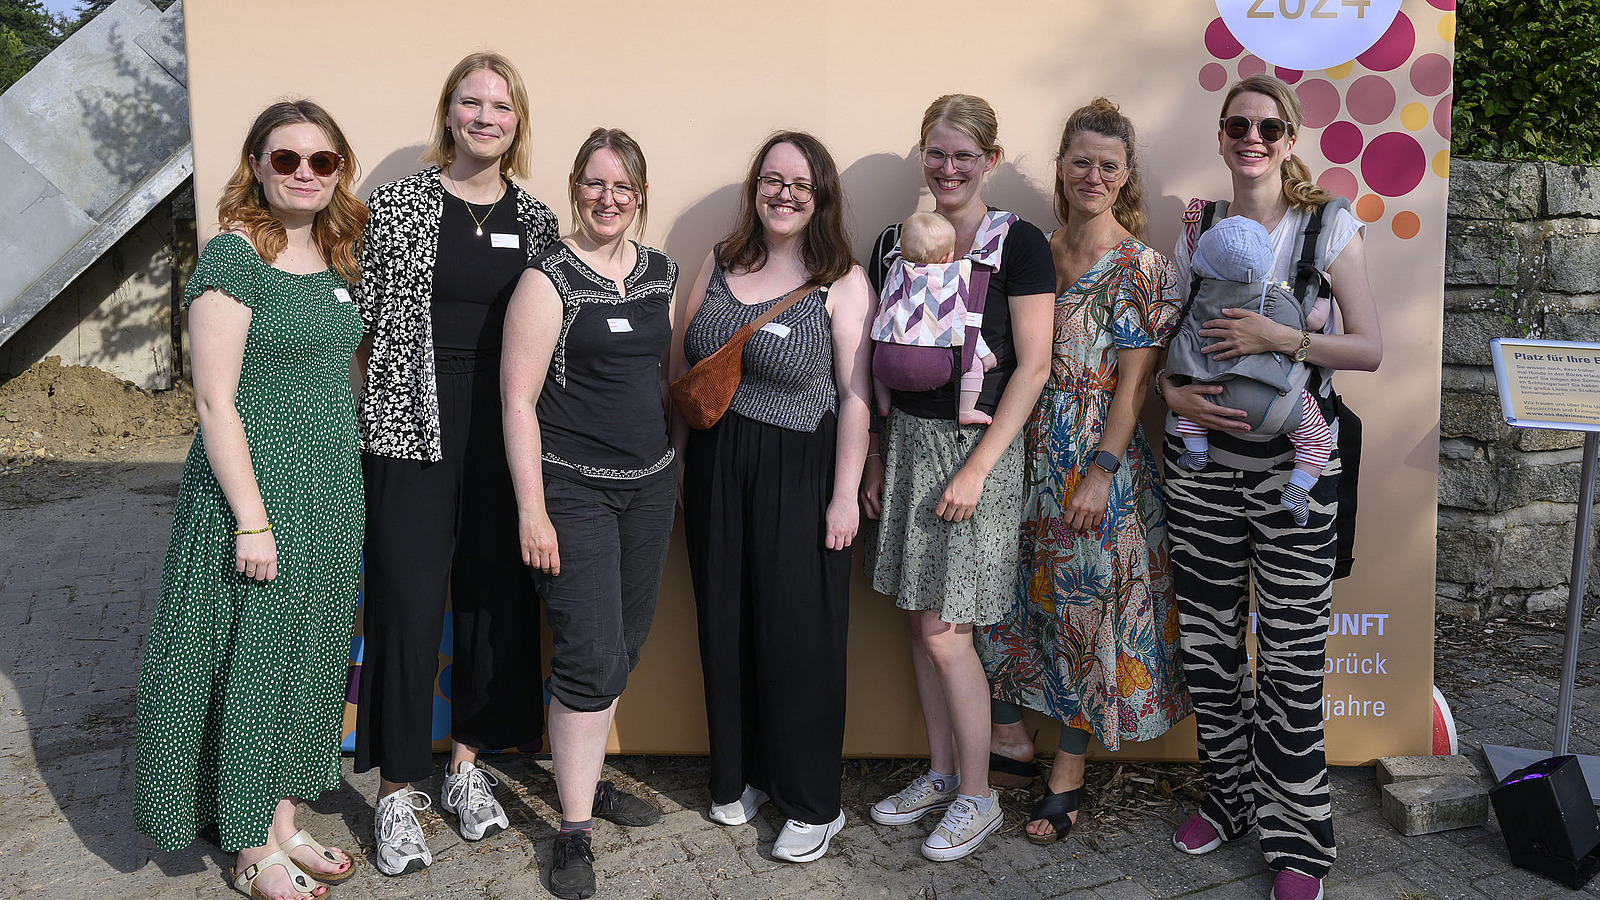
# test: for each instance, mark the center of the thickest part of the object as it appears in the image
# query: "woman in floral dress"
(1093, 640)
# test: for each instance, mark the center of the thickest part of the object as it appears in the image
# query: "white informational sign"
(1548, 384)
(1308, 34)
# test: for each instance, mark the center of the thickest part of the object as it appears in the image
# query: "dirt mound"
(54, 411)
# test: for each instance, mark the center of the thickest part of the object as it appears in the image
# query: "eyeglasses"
(1271, 128)
(621, 194)
(799, 191)
(962, 160)
(323, 162)
(1109, 171)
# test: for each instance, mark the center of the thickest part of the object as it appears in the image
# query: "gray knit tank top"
(788, 365)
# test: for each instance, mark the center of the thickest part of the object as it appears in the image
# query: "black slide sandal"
(1053, 808)
(1007, 772)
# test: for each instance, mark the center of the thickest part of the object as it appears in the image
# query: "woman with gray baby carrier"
(1264, 760)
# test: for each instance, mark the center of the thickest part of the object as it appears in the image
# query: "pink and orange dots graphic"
(1371, 137)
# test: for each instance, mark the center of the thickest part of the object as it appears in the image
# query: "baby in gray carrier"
(1233, 258)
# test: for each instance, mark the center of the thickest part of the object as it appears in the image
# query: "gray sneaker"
(962, 830)
(401, 849)
(800, 842)
(917, 799)
(469, 794)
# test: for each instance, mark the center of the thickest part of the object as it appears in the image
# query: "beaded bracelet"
(254, 530)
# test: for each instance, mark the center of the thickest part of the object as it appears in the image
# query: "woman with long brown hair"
(443, 252)
(241, 693)
(1093, 642)
(1260, 733)
(769, 493)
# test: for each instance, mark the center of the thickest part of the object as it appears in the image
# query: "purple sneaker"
(1196, 836)
(1294, 886)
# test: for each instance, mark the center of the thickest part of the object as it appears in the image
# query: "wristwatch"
(1107, 461)
(1304, 348)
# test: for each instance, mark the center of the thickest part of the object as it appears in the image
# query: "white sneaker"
(741, 810)
(799, 842)
(915, 800)
(962, 830)
(470, 795)
(401, 848)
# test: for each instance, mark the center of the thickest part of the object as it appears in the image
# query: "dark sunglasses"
(1272, 129)
(323, 162)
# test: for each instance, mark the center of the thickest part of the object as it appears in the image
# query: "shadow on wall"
(136, 112)
(397, 165)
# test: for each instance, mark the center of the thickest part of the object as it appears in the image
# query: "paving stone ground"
(80, 563)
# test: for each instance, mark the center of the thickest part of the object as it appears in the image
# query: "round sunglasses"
(1272, 129)
(323, 162)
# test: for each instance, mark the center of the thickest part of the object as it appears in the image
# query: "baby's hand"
(1318, 316)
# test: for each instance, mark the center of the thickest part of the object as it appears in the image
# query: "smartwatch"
(1107, 461)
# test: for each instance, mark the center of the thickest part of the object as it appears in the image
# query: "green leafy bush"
(1527, 80)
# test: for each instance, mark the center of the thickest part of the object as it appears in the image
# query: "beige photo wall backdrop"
(700, 84)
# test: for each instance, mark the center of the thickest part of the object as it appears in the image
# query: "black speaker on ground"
(1549, 821)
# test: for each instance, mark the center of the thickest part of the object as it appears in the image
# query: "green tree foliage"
(27, 33)
(13, 59)
(1528, 80)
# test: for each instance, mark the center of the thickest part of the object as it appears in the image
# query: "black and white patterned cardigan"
(399, 414)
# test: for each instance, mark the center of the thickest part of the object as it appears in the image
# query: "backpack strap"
(1209, 211)
(1309, 282)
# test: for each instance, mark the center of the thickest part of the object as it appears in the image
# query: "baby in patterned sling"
(1228, 257)
(926, 286)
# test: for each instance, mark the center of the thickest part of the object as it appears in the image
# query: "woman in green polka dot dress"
(242, 689)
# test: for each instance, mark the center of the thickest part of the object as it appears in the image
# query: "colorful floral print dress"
(1093, 639)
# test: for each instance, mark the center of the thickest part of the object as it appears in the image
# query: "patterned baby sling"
(919, 347)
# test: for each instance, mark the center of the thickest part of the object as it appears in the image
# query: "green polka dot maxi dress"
(242, 690)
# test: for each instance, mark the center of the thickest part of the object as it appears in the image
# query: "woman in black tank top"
(586, 333)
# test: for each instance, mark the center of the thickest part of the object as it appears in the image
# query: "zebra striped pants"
(1261, 745)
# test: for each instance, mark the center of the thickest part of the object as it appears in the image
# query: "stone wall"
(1522, 259)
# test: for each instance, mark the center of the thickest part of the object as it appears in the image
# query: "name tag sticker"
(512, 241)
(777, 328)
(619, 325)
(342, 295)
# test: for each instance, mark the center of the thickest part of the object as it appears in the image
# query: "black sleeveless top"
(601, 421)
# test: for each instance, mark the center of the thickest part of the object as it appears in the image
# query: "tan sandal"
(303, 839)
(245, 882)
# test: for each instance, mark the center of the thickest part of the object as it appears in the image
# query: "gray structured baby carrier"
(1265, 385)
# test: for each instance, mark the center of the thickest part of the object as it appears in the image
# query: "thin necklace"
(475, 220)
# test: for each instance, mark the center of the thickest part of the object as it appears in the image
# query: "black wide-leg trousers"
(437, 530)
(774, 609)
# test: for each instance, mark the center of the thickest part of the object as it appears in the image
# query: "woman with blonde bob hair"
(240, 696)
(587, 336)
(1093, 640)
(1260, 733)
(443, 251)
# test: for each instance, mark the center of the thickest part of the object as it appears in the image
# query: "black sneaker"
(623, 809)
(572, 866)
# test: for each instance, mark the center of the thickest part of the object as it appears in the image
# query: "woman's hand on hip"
(1241, 333)
(1087, 508)
(961, 495)
(1192, 401)
(872, 487)
(256, 556)
(538, 538)
(843, 518)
